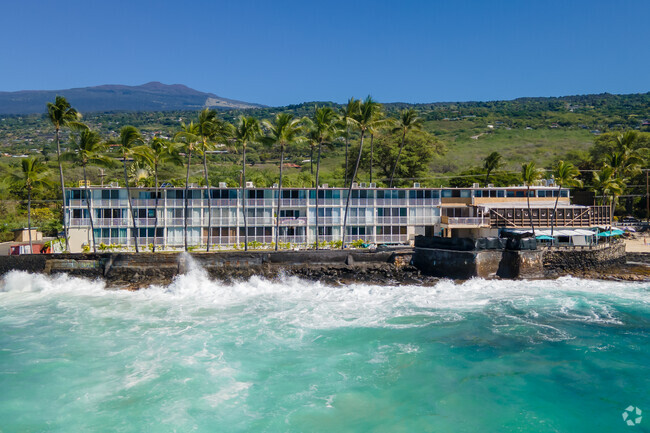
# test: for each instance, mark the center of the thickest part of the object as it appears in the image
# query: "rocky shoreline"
(134, 272)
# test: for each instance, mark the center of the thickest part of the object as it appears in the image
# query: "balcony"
(292, 222)
(465, 222)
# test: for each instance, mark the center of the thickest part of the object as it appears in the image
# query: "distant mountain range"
(152, 96)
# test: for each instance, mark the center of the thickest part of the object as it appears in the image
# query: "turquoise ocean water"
(565, 355)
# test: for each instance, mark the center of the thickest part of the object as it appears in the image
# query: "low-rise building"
(376, 215)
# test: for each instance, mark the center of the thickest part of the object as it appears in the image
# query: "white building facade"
(376, 215)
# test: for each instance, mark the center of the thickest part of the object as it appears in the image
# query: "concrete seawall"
(506, 263)
(133, 271)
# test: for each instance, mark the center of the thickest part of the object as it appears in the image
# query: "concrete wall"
(584, 259)
(479, 263)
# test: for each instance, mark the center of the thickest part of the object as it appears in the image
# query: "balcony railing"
(293, 221)
(466, 221)
(392, 239)
(392, 220)
(111, 222)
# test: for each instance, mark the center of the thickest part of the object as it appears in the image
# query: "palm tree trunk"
(347, 201)
(372, 152)
(243, 196)
(128, 193)
(207, 184)
(29, 218)
(311, 164)
(399, 153)
(90, 215)
(559, 188)
(347, 145)
(530, 212)
(317, 174)
(155, 224)
(277, 219)
(187, 190)
(58, 156)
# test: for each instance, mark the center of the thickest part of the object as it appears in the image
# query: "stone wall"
(571, 260)
(132, 271)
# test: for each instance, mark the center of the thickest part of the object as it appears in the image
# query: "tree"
(87, 148)
(162, 151)
(247, 131)
(130, 144)
(609, 185)
(321, 128)
(346, 114)
(491, 163)
(283, 131)
(565, 174)
(530, 175)
(32, 176)
(378, 123)
(364, 119)
(408, 120)
(189, 135)
(61, 114)
(417, 154)
(210, 128)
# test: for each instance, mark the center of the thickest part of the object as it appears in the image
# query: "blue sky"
(285, 52)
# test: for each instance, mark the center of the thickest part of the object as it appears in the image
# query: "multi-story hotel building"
(376, 215)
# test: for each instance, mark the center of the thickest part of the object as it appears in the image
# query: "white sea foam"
(193, 298)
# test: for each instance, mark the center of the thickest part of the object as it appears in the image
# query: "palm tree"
(530, 175)
(247, 131)
(87, 148)
(161, 151)
(321, 128)
(565, 174)
(32, 176)
(130, 142)
(189, 135)
(61, 114)
(210, 127)
(609, 185)
(491, 163)
(378, 123)
(408, 120)
(282, 132)
(365, 119)
(346, 114)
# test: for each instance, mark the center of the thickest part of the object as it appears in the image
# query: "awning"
(544, 238)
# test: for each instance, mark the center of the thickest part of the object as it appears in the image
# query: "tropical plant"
(364, 119)
(491, 163)
(162, 151)
(130, 144)
(379, 122)
(347, 112)
(60, 113)
(247, 131)
(283, 131)
(33, 175)
(565, 174)
(609, 185)
(87, 148)
(210, 128)
(408, 120)
(322, 126)
(529, 175)
(189, 136)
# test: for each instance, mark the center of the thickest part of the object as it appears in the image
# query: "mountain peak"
(151, 96)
